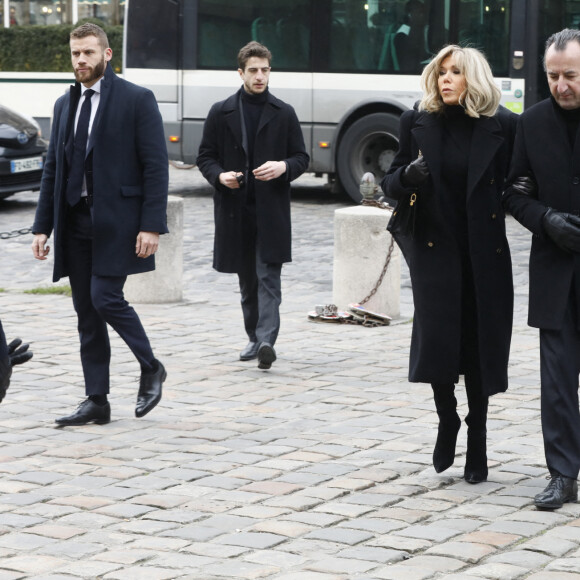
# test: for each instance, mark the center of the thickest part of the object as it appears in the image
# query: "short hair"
(90, 29)
(252, 49)
(481, 96)
(560, 40)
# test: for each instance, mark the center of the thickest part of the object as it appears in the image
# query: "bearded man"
(104, 196)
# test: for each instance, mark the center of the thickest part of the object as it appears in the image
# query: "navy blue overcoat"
(129, 176)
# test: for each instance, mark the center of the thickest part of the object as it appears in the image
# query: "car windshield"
(17, 121)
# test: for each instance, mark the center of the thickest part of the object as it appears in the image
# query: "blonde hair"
(481, 95)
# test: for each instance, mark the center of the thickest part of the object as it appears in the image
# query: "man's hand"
(147, 244)
(39, 248)
(563, 229)
(230, 179)
(415, 173)
(269, 170)
(18, 353)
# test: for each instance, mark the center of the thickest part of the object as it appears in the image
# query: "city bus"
(350, 68)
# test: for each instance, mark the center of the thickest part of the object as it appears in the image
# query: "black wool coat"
(278, 138)
(542, 149)
(129, 178)
(434, 258)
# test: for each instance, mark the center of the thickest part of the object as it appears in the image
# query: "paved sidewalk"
(319, 469)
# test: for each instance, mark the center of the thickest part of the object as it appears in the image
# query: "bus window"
(385, 36)
(485, 24)
(224, 26)
(151, 38)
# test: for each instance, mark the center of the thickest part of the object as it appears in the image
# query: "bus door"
(152, 58)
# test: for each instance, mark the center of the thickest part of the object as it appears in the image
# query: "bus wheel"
(369, 144)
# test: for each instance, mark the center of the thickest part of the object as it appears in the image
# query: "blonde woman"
(454, 153)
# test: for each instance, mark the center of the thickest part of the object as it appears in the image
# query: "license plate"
(29, 164)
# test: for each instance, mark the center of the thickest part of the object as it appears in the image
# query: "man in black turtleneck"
(544, 196)
(242, 136)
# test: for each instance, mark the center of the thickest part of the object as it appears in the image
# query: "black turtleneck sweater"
(456, 145)
(572, 119)
(253, 105)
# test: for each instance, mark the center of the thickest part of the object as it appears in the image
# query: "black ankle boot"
(449, 425)
(476, 458)
(444, 452)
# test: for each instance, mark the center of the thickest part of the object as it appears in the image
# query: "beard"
(91, 74)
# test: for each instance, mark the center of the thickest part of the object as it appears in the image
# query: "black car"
(22, 153)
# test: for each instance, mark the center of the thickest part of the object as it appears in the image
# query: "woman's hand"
(415, 173)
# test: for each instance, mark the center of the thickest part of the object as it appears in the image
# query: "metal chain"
(382, 205)
(380, 280)
(376, 203)
(366, 321)
(15, 233)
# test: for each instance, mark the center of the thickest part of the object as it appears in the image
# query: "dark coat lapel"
(106, 86)
(233, 119)
(561, 141)
(268, 113)
(428, 133)
(74, 96)
(486, 140)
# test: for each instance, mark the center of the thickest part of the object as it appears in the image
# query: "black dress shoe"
(266, 355)
(87, 412)
(250, 351)
(150, 390)
(559, 491)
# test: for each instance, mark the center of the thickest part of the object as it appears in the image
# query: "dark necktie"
(77, 167)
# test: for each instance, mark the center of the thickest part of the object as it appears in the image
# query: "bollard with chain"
(368, 189)
(347, 221)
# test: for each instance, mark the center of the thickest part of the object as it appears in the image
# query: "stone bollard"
(165, 283)
(361, 243)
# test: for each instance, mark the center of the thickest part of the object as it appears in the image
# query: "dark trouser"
(3, 345)
(261, 290)
(98, 301)
(559, 369)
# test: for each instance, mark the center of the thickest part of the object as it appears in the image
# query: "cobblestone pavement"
(319, 469)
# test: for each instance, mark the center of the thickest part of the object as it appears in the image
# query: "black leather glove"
(525, 185)
(5, 374)
(563, 229)
(18, 353)
(415, 173)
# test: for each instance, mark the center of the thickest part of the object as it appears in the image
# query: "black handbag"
(402, 222)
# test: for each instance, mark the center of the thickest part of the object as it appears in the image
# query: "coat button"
(576, 180)
(430, 244)
(498, 251)
(493, 216)
(492, 181)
